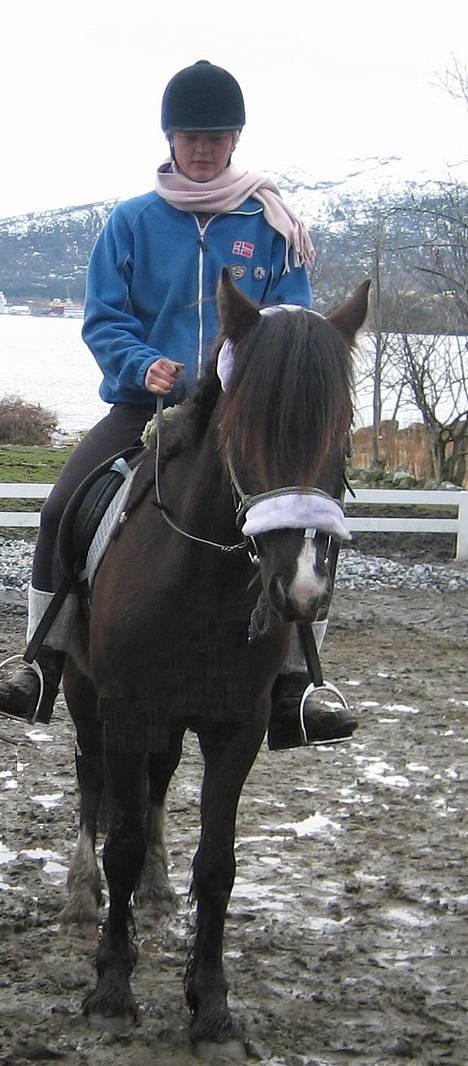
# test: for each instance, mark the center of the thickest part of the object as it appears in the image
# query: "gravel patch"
(355, 571)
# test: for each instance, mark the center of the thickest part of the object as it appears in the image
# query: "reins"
(243, 502)
(227, 548)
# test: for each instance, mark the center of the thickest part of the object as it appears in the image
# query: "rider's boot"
(19, 696)
(322, 723)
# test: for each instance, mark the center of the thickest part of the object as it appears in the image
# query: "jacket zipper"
(201, 242)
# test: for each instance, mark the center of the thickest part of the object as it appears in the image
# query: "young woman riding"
(150, 320)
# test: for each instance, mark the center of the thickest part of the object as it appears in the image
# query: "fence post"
(462, 535)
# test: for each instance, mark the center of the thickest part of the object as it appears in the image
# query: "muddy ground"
(346, 941)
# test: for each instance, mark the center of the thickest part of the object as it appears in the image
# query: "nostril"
(322, 572)
(276, 593)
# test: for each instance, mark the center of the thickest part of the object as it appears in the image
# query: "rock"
(401, 475)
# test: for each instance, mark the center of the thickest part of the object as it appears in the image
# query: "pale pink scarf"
(226, 192)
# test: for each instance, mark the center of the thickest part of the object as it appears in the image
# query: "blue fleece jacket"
(151, 288)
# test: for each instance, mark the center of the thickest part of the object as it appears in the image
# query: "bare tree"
(454, 80)
(433, 374)
(441, 253)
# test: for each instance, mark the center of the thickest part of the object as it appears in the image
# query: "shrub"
(22, 422)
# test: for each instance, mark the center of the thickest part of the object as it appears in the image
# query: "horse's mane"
(288, 403)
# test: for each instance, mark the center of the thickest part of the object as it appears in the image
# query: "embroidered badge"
(259, 273)
(243, 248)
(237, 271)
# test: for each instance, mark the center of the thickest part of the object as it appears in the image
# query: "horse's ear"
(350, 316)
(237, 314)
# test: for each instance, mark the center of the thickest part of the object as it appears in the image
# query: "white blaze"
(306, 584)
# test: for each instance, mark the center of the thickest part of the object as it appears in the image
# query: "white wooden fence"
(376, 497)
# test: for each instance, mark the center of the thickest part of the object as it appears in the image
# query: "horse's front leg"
(229, 752)
(153, 889)
(84, 879)
(124, 853)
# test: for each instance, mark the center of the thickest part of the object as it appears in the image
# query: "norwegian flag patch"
(243, 248)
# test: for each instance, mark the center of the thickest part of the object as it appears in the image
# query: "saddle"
(87, 509)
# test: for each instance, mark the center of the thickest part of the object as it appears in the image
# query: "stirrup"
(328, 686)
(34, 665)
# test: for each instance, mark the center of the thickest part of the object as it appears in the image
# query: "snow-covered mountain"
(44, 254)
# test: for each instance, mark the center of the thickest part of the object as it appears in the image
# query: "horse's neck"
(199, 490)
(193, 486)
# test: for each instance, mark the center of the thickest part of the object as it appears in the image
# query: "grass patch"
(27, 464)
(394, 510)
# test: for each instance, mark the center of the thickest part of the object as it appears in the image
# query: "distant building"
(3, 304)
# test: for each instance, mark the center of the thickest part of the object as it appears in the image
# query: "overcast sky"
(81, 84)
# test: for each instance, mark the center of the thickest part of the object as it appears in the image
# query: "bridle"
(243, 502)
(227, 548)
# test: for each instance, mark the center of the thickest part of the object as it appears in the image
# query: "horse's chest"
(201, 669)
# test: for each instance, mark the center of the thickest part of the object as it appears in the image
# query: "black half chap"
(116, 432)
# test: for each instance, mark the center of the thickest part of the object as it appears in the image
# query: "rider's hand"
(162, 375)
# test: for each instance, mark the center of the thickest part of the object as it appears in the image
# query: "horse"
(190, 618)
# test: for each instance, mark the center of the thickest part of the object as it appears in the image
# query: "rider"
(150, 314)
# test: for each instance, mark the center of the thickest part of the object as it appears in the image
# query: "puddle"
(39, 736)
(39, 854)
(254, 893)
(9, 781)
(6, 855)
(48, 801)
(52, 863)
(5, 887)
(407, 916)
(320, 925)
(315, 823)
(381, 772)
(402, 708)
(57, 872)
(350, 794)
(390, 780)
(255, 840)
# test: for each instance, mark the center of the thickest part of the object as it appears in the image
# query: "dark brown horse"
(172, 640)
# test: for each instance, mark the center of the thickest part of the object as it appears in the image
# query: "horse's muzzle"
(301, 597)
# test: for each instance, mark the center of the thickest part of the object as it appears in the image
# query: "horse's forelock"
(288, 401)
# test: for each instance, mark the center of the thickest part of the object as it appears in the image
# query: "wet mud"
(346, 938)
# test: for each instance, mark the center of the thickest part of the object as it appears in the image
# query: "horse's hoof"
(82, 911)
(233, 1050)
(117, 1012)
(160, 904)
(114, 1025)
(210, 1033)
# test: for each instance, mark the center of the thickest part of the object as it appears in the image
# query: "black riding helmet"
(202, 97)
